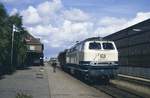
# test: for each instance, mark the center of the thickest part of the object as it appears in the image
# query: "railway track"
(113, 89)
(116, 92)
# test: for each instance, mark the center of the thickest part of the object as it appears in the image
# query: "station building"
(34, 50)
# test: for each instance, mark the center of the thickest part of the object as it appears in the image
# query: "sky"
(60, 23)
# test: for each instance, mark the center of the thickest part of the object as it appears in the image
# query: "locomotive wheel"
(88, 79)
(104, 80)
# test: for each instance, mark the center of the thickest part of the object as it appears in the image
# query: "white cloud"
(14, 11)
(38, 21)
(75, 15)
(59, 27)
(75, 31)
(111, 21)
(141, 16)
(109, 25)
(45, 41)
(30, 16)
(43, 31)
(49, 8)
(57, 36)
(43, 13)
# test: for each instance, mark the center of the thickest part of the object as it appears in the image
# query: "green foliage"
(22, 95)
(6, 26)
(4, 35)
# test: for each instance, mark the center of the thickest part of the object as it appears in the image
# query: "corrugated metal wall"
(134, 49)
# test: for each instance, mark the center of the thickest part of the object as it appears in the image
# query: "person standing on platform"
(54, 66)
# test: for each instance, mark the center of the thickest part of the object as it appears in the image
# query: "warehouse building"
(133, 44)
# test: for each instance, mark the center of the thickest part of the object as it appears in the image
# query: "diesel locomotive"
(92, 59)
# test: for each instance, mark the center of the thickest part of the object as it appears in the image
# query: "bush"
(22, 95)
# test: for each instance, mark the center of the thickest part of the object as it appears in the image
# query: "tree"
(19, 45)
(6, 26)
(4, 36)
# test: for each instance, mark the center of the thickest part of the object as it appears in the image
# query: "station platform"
(31, 82)
(62, 85)
(134, 78)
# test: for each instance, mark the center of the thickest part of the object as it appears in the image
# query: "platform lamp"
(15, 29)
(137, 30)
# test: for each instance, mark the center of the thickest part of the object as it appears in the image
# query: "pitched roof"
(141, 27)
(32, 40)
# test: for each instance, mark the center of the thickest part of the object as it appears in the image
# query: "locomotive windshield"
(108, 46)
(94, 45)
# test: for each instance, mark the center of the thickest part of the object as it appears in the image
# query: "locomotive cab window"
(94, 45)
(108, 46)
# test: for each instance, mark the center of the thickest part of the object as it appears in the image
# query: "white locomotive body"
(93, 52)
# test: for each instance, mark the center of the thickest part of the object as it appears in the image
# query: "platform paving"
(32, 81)
(42, 82)
(62, 85)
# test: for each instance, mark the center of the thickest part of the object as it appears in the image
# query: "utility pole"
(12, 44)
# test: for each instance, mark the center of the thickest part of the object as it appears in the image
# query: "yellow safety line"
(136, 78)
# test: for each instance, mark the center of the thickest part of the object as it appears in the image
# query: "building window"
(32, 47)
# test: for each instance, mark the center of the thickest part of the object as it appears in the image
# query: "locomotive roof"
(89, 39)
(92, 39)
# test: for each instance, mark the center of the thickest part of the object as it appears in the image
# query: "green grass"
(22, 95)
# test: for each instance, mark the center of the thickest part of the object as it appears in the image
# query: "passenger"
(54, 66)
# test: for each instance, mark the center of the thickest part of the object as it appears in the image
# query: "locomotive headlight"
(102, 56)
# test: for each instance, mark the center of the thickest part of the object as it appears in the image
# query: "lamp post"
(12, 43)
